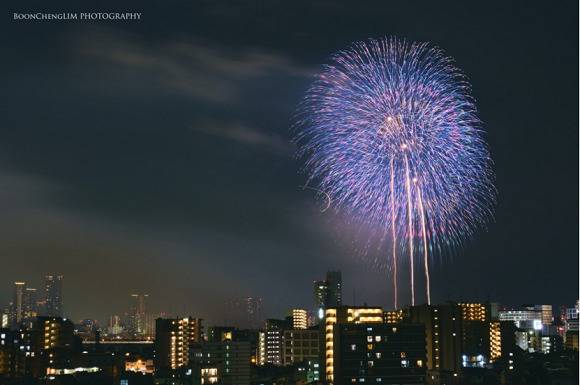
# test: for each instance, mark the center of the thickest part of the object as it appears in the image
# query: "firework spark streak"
(390, 134)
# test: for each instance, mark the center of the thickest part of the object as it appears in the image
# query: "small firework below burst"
(391, 135)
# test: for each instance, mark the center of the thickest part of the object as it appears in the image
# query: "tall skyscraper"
(328, 293)
(18, 303)
(53, 293)
(30, 303)
(254, 311)
(320, 297)
(334, 284)
(138, 315)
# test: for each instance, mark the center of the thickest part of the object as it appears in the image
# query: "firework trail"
(390, 134)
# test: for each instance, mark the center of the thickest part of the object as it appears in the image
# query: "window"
(353, 347)
(404, 363)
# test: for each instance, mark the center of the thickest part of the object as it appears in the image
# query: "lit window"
(353, 347)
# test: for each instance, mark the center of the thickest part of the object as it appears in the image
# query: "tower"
(18, 302)
(53, 292)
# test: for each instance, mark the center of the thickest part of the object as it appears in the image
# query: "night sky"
(155, 156)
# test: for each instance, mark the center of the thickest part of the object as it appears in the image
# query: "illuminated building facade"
(12, 359)
(173, 338)
(54, 332)
(394, 316)
(474, 312)
(334, 317)
(572, 340)
(495, 341)
(139, 365)
(476, 334)
(320, 296)
(18, 303)
(377, 352)
(270, 346)
(299, 319)
(519, 315)
(225, 362)
(546, 314)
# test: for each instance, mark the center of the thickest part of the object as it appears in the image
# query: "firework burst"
(390, 134)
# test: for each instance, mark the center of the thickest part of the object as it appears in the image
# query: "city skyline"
(155, 157)
(137, 316)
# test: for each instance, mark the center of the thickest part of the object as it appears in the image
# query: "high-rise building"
(476, 334)
(30, 303)
(547, 316)
(337, 316)
(114, 326)
(5, 318)
(301, 345)
(334, 284)
(361, 347)
(299, 319)
(53, 293)
(173, 339)
(12, 358)
(328, 293)
(18, 303)
(253, 311)
(138, 316)
(224, 362)
(270, 346)
(320, 297)
(442, 335)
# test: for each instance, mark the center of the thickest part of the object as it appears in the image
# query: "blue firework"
(389, 131)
